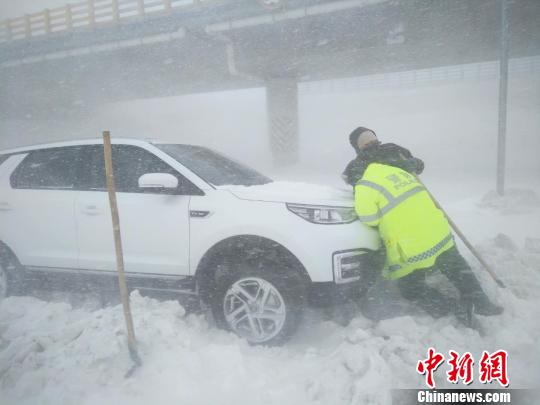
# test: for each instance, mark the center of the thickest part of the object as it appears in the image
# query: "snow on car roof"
(88, 141)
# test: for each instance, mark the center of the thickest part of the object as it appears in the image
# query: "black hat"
(354, 135)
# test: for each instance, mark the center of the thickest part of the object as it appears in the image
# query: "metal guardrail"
(87, 13)
(529, 66)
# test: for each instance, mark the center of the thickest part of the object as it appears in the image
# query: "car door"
(38, 208)
(154, 226)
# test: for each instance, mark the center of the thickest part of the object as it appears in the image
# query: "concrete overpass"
(63, 60)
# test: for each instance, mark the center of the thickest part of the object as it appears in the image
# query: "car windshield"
(213, 167)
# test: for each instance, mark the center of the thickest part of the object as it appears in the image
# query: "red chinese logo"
(492, 367)
(461, 368)
(429, 365)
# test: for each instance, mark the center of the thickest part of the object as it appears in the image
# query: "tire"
(11, 276)
(3, 281)
(258, 303)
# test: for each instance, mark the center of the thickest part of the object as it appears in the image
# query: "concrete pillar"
(282, 110)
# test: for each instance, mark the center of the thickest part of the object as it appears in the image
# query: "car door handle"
(92, 210)
(199, 214)
(4, 206)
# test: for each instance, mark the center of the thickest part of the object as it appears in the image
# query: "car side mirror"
(158, 181)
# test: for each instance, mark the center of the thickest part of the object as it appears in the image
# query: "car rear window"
(47, 169)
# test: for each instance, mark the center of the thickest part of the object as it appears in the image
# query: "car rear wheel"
(11, 273)
(3, 281)
(261, 306)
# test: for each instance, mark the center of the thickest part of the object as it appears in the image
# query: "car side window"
(129, 164)
(48, 169)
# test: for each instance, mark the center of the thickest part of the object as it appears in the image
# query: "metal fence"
(472, 71)
(85, 14)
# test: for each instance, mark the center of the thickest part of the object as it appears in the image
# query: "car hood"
(294, 192)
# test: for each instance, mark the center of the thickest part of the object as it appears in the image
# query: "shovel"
(464, 239)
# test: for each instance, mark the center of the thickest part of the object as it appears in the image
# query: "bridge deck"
(224, 44)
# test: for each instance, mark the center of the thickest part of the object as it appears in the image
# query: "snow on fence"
(85, 14)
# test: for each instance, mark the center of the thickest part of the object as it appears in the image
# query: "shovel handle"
(463, 238)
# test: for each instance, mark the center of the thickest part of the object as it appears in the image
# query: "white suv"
(192, 221)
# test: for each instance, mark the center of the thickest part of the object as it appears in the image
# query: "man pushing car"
(415, 233)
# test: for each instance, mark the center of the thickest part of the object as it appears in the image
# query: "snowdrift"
(59, 353)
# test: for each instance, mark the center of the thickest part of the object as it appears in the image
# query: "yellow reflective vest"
(414, 231)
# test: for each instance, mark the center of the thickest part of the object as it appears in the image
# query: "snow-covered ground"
(57, 352)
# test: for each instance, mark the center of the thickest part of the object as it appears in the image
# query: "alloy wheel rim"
(254, 309)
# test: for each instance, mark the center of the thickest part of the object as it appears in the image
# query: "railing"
(84, 14)
(529, 66)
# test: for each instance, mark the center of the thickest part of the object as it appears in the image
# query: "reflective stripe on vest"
(430, 252)
(424, 255)
(392, 201)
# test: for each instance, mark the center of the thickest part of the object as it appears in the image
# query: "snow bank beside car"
(514, 201)
(54, 352)
(51, 352)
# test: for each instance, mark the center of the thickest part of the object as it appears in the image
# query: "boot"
(464, 314)
(485, 307)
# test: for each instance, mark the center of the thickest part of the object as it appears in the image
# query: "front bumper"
(355, 271)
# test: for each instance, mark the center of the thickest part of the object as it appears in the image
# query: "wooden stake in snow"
(132, 343)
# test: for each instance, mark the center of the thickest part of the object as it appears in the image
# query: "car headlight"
(324, 215)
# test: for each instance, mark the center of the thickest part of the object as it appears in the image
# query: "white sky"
(17, 8)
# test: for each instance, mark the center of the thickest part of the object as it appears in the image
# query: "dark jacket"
(386, 153)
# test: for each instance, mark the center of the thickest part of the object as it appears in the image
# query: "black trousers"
(413, 287)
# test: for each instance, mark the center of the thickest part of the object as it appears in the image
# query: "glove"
(413, 165)
(419, 166)
(354, 172)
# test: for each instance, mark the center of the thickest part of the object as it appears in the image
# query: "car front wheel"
(263, 307)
